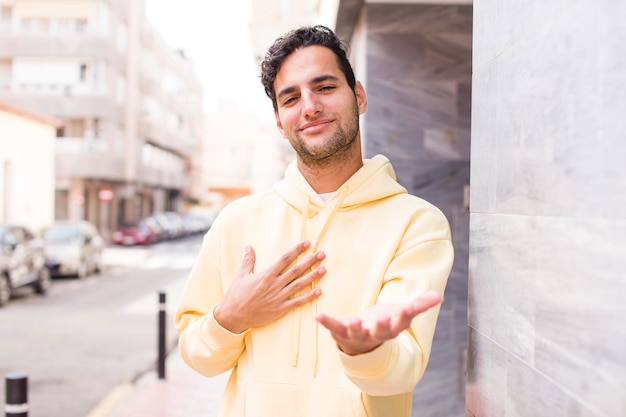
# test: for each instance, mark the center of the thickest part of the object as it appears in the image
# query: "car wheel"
(5, 290)
(43, 281)
(82, 270)
(98, 269)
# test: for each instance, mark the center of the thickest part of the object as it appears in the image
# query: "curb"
(112, 400)
(118, 394)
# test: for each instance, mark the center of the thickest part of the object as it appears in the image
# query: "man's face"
(317, 110)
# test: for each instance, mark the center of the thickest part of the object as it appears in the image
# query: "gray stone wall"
(548, 210)
(419, 91)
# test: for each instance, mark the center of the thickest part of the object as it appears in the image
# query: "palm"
(369, 329)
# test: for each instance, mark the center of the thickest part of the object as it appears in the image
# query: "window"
(6, 16)
(75, 128)
(81, 25)
(64, 25)
(6, 12)
(83, 72)
(26, 24)
(43, 25)
(96, 128)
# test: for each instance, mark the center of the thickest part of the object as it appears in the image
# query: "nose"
(311, 104)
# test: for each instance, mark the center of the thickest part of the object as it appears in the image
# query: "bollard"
(161, 336)
(16, 390)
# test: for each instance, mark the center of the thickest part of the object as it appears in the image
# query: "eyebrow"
(315, 80)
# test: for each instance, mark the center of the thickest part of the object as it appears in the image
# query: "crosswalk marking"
(148, 304)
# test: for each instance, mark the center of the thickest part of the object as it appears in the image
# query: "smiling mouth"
(316, 126)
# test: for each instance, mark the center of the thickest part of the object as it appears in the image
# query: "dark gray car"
(22, 261)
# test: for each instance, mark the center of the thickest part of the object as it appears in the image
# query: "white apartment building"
(26, 167)
(131, 106)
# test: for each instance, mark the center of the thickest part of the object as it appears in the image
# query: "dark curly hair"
(300, 38)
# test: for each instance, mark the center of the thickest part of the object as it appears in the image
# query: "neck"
(327, 176)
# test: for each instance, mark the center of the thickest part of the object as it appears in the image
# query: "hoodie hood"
(375, 180)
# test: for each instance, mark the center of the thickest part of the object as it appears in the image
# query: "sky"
(216, 36)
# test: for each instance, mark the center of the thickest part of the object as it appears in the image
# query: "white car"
(73, 248)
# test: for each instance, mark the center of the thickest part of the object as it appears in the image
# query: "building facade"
(131, 106)
(26, 167)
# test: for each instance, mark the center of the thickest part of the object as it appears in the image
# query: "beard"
(316, 151)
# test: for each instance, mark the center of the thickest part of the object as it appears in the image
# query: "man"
(322, 294)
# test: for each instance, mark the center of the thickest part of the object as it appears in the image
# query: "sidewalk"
(183, 393)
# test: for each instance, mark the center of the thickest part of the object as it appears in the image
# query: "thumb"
(249, 258)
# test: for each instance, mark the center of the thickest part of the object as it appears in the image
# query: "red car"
(143, 232)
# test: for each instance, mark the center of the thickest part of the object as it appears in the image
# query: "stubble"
(334, 149)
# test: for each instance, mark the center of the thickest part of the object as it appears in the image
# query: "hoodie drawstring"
(296, 315)
(341, 195)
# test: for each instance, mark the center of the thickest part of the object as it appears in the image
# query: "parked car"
(73, 248)
(196, 223)
(143, 232)
(22, 261)
(171, 223)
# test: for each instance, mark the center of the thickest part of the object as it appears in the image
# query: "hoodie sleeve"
(422, 262)
(205, 345)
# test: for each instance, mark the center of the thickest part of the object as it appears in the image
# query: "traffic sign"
(106, 194)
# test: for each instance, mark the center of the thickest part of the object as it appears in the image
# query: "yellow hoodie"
(381, 243)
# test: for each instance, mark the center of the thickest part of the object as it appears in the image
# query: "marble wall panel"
(486, 377)
(545, 155)
(440, 182)
(503, 269)
(548, 208)
(483, 166)
(530, 393)
(580, 335)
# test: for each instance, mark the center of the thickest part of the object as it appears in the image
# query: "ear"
(279, 125)
(361, 97)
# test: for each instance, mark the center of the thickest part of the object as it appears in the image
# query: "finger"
(332, 324)
(288, 257)
(383, 329)
(249, 258)
(425, 301)
(301, 268)
(355, 329)
(304, 298)
(295, 284)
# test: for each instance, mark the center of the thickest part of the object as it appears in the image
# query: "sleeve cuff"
(212, 333)
(370, 363)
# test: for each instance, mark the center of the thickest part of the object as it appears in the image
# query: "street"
(87, 336)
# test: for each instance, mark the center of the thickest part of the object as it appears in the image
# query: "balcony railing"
(80, 145)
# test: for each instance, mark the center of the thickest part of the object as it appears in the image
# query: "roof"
(37, 117)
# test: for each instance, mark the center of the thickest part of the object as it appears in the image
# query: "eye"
(289, 100)
(327, 88)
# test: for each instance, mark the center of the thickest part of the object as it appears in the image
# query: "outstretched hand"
(257, 298)
(368, 330)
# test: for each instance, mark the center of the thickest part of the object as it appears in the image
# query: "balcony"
(65, 105)
(174, 140)
(162, 178)
(87, 158)
(16, 44)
